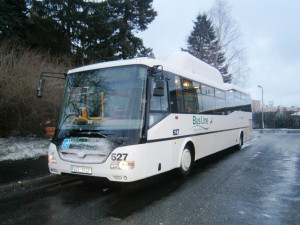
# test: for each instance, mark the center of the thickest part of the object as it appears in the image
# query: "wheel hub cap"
(186, 160)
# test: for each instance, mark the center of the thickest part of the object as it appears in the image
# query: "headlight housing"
(51, 159)
(122, 165)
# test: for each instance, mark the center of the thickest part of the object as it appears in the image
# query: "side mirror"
(155, 69)
(40, 87)
(159, 88)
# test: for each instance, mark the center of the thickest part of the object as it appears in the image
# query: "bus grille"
(86, 150)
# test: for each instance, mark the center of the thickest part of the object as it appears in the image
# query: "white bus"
(131, 119)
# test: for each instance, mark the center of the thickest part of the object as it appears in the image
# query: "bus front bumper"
(112, 169)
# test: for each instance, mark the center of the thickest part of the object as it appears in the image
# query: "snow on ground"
(251, 140)
(16, 148)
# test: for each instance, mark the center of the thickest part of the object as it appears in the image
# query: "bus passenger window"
(230, 98)
(237, 99)
(208, 102)
(191, 104)
(220, 102)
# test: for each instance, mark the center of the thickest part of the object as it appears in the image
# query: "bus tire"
(186, 162)
(241, 142)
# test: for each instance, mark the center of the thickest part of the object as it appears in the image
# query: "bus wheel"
(241, 142)
(185, 162)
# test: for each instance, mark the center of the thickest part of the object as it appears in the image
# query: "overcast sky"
(270, 32)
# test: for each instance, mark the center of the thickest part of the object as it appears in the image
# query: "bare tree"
(20, 67)
(229, 35)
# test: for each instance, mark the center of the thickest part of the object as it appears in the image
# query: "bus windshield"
(108, 102)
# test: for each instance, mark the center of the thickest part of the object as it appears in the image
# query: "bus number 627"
(119, 156)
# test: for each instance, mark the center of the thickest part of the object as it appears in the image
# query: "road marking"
(266, 215)
(115, 218)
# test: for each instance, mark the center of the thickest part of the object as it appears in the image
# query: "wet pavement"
(20, 170)
(258, 185)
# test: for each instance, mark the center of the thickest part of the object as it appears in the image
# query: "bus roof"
(181, 63)
(191, 64)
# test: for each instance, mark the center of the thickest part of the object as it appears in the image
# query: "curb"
(33, 184)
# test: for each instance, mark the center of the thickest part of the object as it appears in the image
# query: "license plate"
(81, 169)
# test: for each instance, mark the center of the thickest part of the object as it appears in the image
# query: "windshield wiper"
(67, 116)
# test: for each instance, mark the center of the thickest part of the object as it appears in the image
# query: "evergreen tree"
(129, 17)
(93, 30)
(58, 22)
(12, 18)
(203, 44)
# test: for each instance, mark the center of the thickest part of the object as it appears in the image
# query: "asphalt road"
(18, 170)
(259, 184)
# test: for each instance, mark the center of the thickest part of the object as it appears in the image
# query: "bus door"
(159, 151)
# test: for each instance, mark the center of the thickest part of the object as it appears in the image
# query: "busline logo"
(203, 122)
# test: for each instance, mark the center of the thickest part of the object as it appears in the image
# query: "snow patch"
(246, 145)
(16, 148)
(242, 212)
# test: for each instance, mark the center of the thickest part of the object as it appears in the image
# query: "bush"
(20, 68)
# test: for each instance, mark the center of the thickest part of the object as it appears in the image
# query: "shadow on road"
(137, 195)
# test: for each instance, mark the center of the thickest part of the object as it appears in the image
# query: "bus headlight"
(51, 159)
(122, 165)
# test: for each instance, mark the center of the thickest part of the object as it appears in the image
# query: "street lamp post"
(262, 106)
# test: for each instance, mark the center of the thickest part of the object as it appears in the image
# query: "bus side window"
(237, 100)
(229, 101)
(220, 102)
(190, 88)
(175, 91)
(208, 101)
